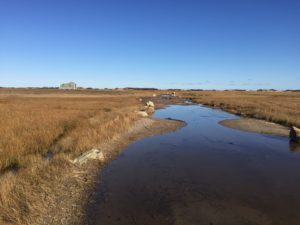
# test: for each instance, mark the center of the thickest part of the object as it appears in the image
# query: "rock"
(92, 154)
(142, 113)
(150, 104)
(147, 109)
(150, 110)
(295, 134)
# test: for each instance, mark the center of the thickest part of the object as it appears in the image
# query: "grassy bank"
(278, 107)
(40, 132)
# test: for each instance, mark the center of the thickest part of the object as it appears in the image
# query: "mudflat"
(255, 125)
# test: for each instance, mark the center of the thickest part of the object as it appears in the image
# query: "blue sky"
(217, 44)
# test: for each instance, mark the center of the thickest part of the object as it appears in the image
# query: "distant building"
(68, 86)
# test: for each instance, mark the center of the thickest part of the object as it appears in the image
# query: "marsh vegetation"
(274, 106)
(41, 130)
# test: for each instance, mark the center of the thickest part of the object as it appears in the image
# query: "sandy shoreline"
(257, 126)
(70, 205)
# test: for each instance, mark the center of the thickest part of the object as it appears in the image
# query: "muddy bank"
(144, 127)
(77, 184)
(258, 126)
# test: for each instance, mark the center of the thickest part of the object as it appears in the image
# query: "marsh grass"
(33, 125)
(273, 106)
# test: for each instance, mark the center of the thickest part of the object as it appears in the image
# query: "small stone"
(150, 104)
(94, 154)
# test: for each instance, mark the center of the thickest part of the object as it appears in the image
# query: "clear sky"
(217, 44)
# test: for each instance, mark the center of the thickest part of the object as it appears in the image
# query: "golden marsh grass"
(34, 124)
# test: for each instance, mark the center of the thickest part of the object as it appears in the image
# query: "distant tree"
(174, 89)
(195, 89)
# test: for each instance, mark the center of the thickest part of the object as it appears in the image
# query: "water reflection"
(204, 174)
(294, 147)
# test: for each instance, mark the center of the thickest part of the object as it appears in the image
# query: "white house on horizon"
(68, 86)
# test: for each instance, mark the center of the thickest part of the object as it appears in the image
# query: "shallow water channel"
(203, 174)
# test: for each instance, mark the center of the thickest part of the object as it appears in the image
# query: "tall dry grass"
(278, 107)
(36, 125)
(30, 126)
